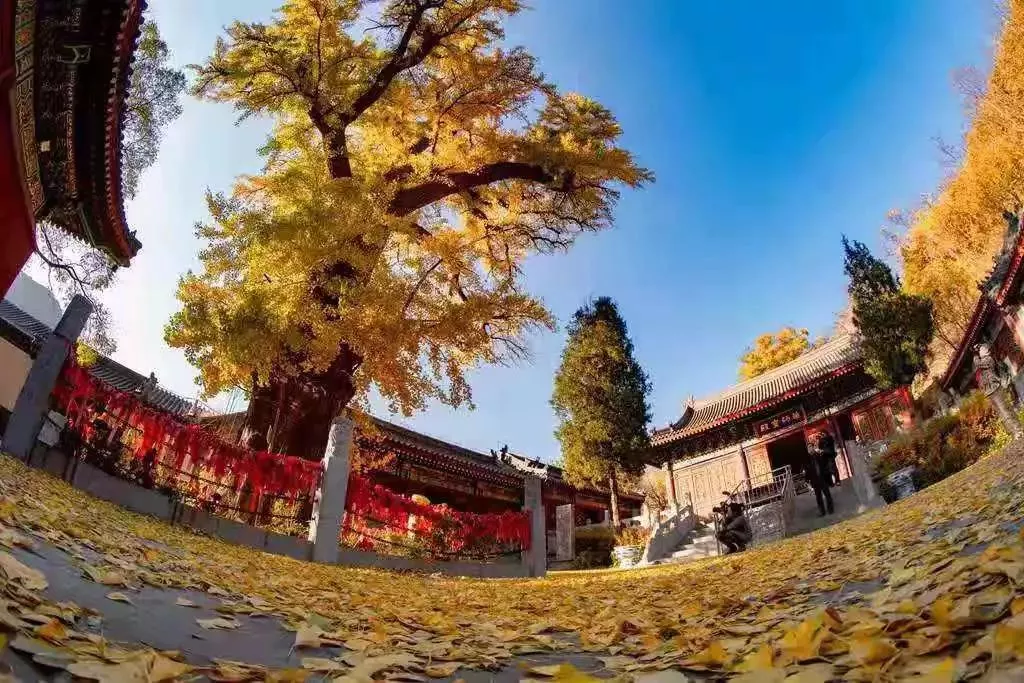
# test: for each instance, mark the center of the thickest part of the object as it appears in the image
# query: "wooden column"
(745, 464)
(840, 443)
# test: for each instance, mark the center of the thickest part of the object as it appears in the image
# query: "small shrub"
(943, 445)
(632, 536)
(592, 559)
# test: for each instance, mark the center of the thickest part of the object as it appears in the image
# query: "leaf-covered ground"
(930, 588)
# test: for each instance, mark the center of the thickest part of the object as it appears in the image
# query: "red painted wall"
(17, 226)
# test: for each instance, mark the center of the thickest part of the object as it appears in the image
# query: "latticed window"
(875, 423)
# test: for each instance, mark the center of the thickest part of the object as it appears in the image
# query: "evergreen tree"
(600, 398)
(895, 328)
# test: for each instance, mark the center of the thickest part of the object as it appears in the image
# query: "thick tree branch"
(416, 197)
(402, 59)
(399, 61)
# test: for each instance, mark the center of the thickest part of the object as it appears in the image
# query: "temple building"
(64, 74)
(763, 424)
(409, 462)
(996, 326)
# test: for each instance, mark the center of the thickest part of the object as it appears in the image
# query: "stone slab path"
(156, 620)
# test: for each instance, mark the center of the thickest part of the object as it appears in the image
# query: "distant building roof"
(35, 299)
(436, 448)
(828, 360)
(28, 333)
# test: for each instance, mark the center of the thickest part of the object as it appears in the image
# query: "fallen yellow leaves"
(119, 597)
(891, 596)
(108, 577)
(53, 631)
(14, 570)
(145, 667)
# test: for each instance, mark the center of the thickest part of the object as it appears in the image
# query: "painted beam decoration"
(789, 418)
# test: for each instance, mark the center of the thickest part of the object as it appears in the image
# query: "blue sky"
(773, 128)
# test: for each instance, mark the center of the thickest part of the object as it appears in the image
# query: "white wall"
(35, 299)
(14, 367)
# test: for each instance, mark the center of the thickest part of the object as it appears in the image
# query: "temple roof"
(73, 60)
(1005, 274)
(486, 466)
(28, 333)
(833, 358)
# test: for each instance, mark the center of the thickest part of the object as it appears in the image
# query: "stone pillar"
(1005, 412)
(565, 533)
(536, 558)
(329, 503)
(670, 488)
(860, 472)
(945, 403)
(33, 402)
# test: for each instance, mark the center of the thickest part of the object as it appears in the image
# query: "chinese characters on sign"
(781, 421)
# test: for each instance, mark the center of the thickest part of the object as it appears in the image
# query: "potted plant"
(629, 545)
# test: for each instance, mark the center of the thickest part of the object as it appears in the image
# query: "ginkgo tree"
(772, 349)
(415, 163)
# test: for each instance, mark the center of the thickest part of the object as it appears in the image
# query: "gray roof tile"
(105, 369)
(715, 410)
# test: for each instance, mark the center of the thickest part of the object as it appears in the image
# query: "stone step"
(684, 556)
(704, 540)
(692, 552)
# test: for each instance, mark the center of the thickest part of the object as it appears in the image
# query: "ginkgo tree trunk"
(414, 164)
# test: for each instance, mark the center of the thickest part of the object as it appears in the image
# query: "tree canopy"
(772, 349)
(153, 102)
(600, 400)
(895, 328)
(413, 167)
(950, 241)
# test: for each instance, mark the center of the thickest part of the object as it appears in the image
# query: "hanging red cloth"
(82, 397)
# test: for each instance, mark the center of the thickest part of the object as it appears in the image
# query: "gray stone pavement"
(807, 517)
(155, 620)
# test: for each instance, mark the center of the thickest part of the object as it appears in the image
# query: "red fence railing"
(117, 432)
(379, 519)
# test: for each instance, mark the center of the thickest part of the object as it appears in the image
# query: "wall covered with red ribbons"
(176, 443)
(375, 512)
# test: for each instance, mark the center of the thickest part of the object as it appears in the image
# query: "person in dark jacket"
(735, 532)
(816, 472)
(827, 453)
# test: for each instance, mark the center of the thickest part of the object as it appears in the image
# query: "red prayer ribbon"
(79, 396)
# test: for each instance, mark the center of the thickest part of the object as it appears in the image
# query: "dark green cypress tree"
(600, 398)
(896, 328)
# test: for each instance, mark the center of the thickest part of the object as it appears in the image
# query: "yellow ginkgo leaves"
(15, 570)
(911, 602)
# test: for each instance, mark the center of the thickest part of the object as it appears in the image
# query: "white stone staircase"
(700, 543)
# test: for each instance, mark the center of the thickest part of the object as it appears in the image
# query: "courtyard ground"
(930, 588)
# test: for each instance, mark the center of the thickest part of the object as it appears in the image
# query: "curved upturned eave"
(127, 42)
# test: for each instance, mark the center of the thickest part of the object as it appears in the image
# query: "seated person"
(735, 532)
